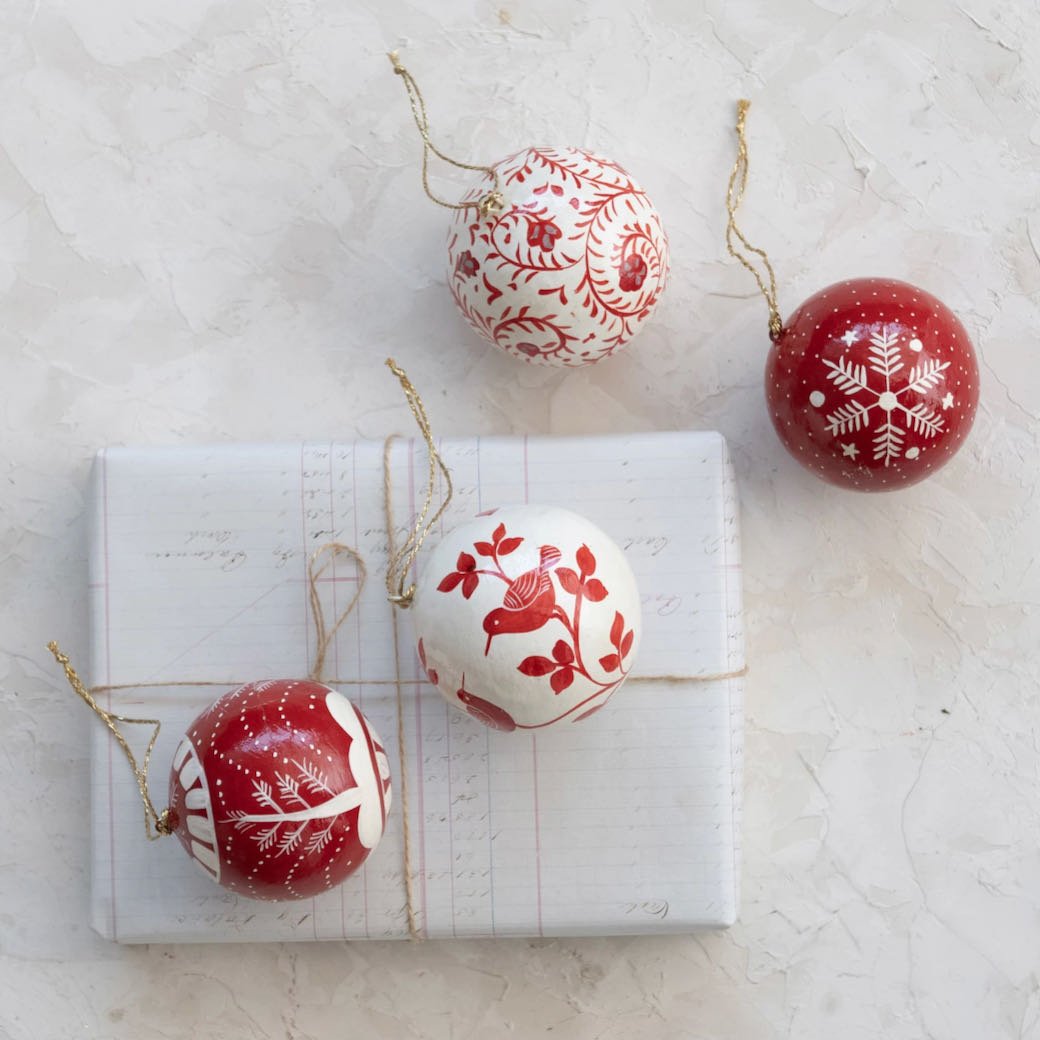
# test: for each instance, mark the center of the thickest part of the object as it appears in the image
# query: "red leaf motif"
(508, 545)
(595, 590)
(465, 562)
(568, 580)
(562, 679)
(498, 534)
(469, 584)
(490, 714)
(586, 561)
(448, 582)
(536, 666)
(626, 643)
(610, 663)
(617, 629)
(562, 652)
(591, 711)
(485, 548)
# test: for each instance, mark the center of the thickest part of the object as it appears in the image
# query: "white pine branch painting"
(286, 824)
(926, 376)
(313, 779)
(925, 421)
(884, 354)
(847, 377)
(888, 443)
(847, 418)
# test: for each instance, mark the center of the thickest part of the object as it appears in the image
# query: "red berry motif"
(280, 789)
(873, 384)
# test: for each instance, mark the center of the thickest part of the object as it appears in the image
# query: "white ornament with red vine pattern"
(527, 616)
(571, 267)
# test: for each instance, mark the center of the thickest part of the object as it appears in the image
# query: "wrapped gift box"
(627, 822)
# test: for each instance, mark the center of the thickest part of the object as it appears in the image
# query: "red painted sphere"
(280, 789)
(872, 384)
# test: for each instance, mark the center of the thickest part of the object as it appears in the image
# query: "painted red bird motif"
(529, 602)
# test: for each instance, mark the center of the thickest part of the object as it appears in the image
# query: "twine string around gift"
(400, 561)
(736, 243)
(488, 204)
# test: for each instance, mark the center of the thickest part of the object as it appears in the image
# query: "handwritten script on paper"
(624, 823)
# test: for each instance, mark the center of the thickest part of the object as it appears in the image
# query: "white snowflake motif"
(854, 415)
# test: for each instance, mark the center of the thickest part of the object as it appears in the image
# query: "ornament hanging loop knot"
(752, 257)
(491, 204)
(487, 206)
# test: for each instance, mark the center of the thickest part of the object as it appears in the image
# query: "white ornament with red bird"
(526, 617)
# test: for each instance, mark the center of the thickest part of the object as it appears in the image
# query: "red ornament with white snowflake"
(570, 267)
(527, 617)
(872, 384)
(280, 789)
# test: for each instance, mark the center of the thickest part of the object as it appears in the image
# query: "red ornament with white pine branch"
(526, 617)
(872, 384)
(280, 789)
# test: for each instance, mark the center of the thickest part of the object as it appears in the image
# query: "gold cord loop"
(401, 559)
(734, 196)
(489, 204)
(156, 824)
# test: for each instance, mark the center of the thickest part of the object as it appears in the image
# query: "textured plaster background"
(211, 227)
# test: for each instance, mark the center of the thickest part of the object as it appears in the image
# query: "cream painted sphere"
(527, 616)
(569, 269)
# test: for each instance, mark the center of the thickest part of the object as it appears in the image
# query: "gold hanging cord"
(402, 558)
(156, 824)
(734, 196)
(492, 202)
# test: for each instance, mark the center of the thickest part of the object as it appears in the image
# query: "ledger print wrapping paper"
(625, 823)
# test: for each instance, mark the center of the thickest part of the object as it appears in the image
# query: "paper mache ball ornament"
(280, 789)
(526, 617)
(556, 256)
